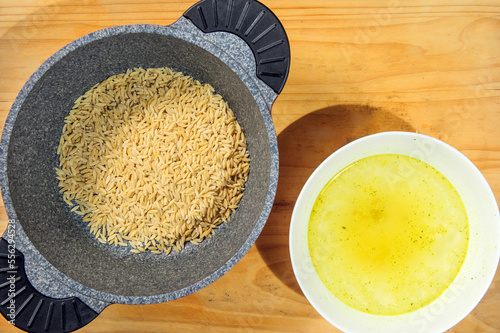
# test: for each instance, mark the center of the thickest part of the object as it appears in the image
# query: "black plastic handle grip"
(257, 26)
(22, 305)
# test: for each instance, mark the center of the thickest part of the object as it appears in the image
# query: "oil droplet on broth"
(388, 234)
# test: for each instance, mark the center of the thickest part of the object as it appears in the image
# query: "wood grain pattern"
(358, 67)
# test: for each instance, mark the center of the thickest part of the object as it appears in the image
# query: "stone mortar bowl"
(54, 275)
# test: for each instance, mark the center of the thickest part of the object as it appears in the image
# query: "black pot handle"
(257, 26)
(22, 305)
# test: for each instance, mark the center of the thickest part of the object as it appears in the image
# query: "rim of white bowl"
(481, 261)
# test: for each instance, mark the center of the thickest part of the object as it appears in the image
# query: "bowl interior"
(481, 260)
(59, 235)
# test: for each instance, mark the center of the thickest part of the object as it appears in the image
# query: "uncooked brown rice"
(152, 159)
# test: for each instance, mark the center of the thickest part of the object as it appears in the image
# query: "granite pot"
(54, 275)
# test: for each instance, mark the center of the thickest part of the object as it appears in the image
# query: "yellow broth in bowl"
(388, 234)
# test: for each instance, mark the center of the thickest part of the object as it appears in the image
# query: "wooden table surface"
(358, 67)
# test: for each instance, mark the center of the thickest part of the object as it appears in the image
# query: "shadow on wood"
(303, 145)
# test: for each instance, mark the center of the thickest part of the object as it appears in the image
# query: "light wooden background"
(358, 67)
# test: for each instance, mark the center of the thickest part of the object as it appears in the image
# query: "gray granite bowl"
(62, 277)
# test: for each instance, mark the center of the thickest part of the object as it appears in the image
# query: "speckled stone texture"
(62, 258)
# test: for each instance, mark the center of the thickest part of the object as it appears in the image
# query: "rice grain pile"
(152, 159)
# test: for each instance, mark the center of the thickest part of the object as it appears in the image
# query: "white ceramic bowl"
(481, 260)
